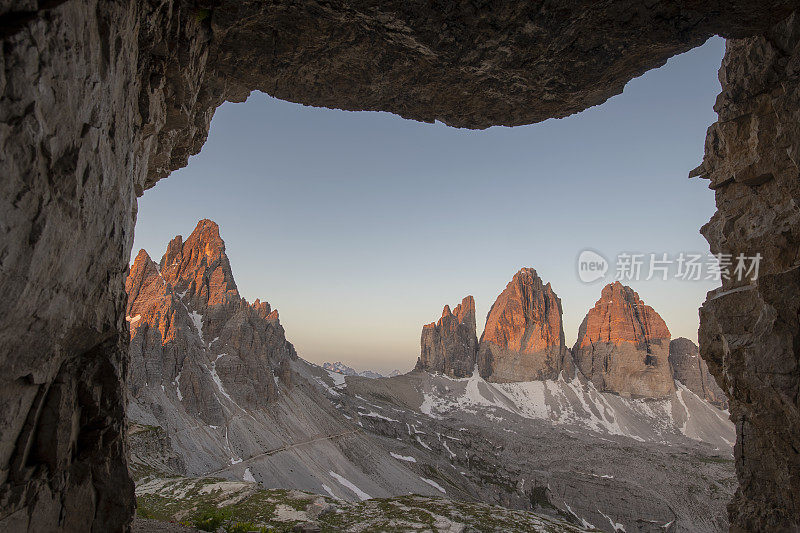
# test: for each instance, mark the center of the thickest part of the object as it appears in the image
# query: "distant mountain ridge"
(342, 368)
(623, 346)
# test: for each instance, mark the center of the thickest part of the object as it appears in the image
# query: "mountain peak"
(450, 345)
(346, 370)
(465, 310)
(200, 268)
(691, 370)
(623, 345)
(524, 336)
(621, 316)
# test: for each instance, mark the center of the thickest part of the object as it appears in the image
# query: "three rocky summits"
(623, 345)
(186, 312)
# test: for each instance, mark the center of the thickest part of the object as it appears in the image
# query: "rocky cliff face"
(193, 333)
(623, 346)
(749, 329)
(524, 338)
(690, 369)
(450, 345)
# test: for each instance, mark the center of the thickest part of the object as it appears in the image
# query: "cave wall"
(81, 109)
(750, 329)
(101, 99)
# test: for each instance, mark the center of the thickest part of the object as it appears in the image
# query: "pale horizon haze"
(360, 226)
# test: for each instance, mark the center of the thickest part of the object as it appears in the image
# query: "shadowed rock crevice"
(100, 100)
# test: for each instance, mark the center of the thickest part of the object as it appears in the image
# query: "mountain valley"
(624, 432)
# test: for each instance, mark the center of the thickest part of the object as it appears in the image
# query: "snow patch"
(327, 489)
(338, 379)
(177, 384)
(616, 525)
(433, 484)
(327, 387)
(406, 458)
(584, 523)
(446, 447)
(197, 320)
(218, 381)
(347, 483)
(248, 476)
(373, 414)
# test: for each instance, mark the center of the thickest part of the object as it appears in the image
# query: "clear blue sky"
(359, 226)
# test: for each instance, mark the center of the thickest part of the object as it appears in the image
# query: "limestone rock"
(690, 369)
(193, 333)
(524, 338)
(450, 345)
(623, 346)
(285, 373)
(749, 330)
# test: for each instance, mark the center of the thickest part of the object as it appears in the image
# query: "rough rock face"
(749, 329)
(690, 369)
(191, 329)
(99, 100)
(524, 338)
(450, 345)
(623, 346)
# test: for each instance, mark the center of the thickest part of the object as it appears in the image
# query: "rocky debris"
(559, 448)
(690, 369)
(450, 345)
(149, 525)
(100, 101)
(623, 346)
(151, 453)
(245, 504)
(749, 329)
(523, 339)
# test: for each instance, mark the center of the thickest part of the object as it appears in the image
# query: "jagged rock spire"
(450, 345)
(524, 337)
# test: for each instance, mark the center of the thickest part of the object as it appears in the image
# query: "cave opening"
(409, 215)
(352, 212)
(100, 101)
